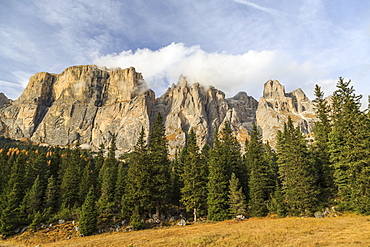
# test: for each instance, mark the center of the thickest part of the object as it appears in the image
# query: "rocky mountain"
(88, 105)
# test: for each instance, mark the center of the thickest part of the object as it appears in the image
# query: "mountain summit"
(88, 105)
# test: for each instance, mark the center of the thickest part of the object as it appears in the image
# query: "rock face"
(83, 104)
(88, 105)
(276, 106)
(193, 106)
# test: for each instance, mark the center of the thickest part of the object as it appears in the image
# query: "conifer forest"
(299, 177)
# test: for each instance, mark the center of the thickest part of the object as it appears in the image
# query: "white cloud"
(230, 73)
(256, 6)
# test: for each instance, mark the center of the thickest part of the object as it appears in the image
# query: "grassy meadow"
(347, 230)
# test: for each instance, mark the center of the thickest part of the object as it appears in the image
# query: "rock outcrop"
(83, 104)
(276, 106)
(204, 109)
(88, 105)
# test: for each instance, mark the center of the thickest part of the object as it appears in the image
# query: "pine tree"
(320, 148)
(296, 171)
(237, 201)
(120, 184)
(137, 194)
(194, 178)
(136, 220)
(223, 160)
(86, 181)
(5, 169)
(51, 197)
(11, 217)
(349, 148)
(108, 176)
(33, 199)
(70, 188)
(37, 218)
(259, 176)
(88, 218)
(160, 165)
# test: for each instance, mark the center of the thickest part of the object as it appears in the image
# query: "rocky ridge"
(88, 105)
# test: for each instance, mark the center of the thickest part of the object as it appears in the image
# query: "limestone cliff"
(84, 104)
(276, 106)
(88, 105)
(204, 109)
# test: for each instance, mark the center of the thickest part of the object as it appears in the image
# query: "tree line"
(215, 182)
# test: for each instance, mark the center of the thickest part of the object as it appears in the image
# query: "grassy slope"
(349, 230)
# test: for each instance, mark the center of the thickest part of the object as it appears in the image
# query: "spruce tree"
(11, 217)
(86, 181)
(194, 178)
(320, 147)
(33, 199)
(224, 159)
(88, 218)
(160, 165)
(108, 176)
(51, 197)
(296, 171)
(237, 200)
(70, 188)
(349, 148)
(137, 196)
(259, 177)
(120, 184)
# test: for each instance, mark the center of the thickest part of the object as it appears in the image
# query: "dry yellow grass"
(349, 230)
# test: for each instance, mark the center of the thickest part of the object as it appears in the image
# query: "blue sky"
(234, 45)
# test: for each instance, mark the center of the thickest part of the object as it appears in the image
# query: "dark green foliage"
(136, 221)
(159, 165)
(88, 218)
(37, 218)
(51, 197)
(194, 178)
(40, 184)
(223, 160)
(11, 215)
(277, 204)
(296, 172)
(261, 176)
(86, 181)
(70, 185)
(32, 201)
(320, 148)
(138, 185)
(237, 202)
(349, 149)
(108, 180)
(120, 184)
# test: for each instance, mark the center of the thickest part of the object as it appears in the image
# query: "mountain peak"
(88, 105)
(273, 89)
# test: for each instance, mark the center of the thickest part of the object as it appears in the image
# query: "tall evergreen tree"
(108, 175)
(237, 200)
(88, 218)
(10, 216)
(349, 148)
(51, 197)
(194, 178)
(320, 148)
(259, 177)
(223, 160)
(86, 181)
(296, 171)
(160, 165)
(137, 194)
(69, 188)
(33, 199)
